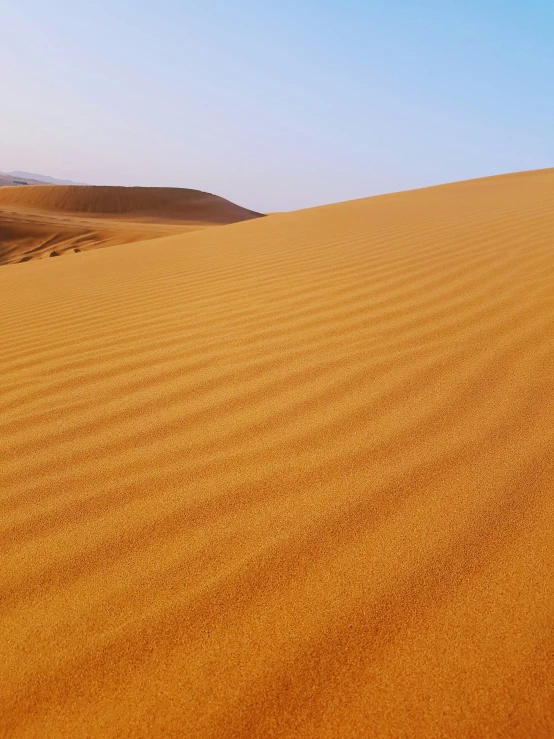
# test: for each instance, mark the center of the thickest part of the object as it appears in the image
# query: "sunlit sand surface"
(292, 477)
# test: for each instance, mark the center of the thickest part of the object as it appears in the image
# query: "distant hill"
(42, 178)
(9, 179)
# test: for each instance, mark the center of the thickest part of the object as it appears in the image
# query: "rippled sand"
(292, 477)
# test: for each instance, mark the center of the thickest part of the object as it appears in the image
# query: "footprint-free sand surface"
(292, 477)
(52, 220)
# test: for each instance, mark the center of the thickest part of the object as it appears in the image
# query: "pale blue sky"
(277, 105)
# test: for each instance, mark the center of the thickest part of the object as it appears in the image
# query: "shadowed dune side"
(37, 221)
(290, 478)
(27, 236)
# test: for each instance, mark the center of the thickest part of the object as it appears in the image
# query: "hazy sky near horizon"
(277, 105)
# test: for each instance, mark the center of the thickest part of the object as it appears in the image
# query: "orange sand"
(37, 221)
(287, 478)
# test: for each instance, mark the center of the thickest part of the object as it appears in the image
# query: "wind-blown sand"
(287, 478)
(51, 220)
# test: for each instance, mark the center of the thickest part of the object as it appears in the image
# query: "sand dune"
(293, 480)
(51, 220)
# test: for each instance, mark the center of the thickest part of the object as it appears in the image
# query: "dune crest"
(289, 478)
(34, 221)
(165, 203)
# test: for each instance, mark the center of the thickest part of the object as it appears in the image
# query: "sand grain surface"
(287, 478)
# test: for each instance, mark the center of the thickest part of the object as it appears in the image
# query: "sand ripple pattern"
(292, 477)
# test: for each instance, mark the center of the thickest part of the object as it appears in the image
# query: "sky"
(281, 104)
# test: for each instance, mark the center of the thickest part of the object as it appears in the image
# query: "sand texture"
(52, 220)
(292, 477)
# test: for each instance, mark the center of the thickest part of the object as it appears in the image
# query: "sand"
(291, 477)
(52, 220)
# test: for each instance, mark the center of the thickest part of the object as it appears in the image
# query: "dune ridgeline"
(291, 477)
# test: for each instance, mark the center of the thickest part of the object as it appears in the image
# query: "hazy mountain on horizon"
(43, 178)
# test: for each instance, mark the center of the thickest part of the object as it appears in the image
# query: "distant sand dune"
(35, 221)
(287, 478)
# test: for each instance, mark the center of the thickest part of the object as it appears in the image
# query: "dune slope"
(51, 220)
(293, 480)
